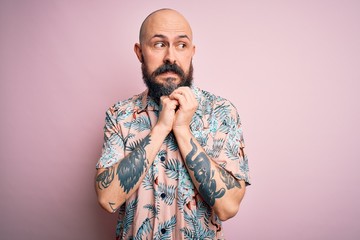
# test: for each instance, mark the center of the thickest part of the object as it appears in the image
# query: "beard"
(156, 89)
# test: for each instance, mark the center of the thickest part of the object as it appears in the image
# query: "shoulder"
(217, 103)
(127, 106)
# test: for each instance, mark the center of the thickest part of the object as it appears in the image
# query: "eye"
(182, 45)
(159, 45)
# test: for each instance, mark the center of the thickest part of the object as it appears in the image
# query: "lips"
(169, 73)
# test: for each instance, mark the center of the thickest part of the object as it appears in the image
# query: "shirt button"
(163, 230)
(162, 158)
(163, 195)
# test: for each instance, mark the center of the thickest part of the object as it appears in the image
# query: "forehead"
(167, 23)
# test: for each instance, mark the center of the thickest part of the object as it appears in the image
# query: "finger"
(180, 98)
(188, 95)
(186, 92)
(181, 90)
(163, 98)
(168, 104)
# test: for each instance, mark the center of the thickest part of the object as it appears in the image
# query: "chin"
(168, 80)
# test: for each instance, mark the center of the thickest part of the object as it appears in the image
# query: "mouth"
(169, 73)
(169, 76)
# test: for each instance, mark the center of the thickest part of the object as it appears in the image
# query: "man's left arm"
(219, 188)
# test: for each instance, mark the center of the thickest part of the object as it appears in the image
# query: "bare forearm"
(219, 189)
(116, 183)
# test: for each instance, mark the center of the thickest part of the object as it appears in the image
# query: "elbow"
(229, 207)
(107, 200)
(227, 212)
(107, 205)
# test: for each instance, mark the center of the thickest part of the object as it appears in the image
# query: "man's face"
(166, 52)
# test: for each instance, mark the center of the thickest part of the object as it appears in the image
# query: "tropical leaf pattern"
(129, 215)
(139, 124)
(144, 229)
(167, 193)
(165, 229)
(172, 168)
(170, 142)
(195, 229)
(218, 144)
(149, 179)
(166, 204)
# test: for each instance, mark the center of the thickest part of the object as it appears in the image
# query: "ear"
(138, 52)
(193, 50)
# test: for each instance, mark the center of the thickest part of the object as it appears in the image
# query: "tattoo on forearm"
(230, 181)
(105, 178)
(111, 204)
(203, 174)
(133, 166)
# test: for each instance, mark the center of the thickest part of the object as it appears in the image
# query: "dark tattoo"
(111, 204)
(203, 174)
(133, 166)
(228, 179)
(105, 178)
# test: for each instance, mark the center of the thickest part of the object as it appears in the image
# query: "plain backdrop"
(292, 68)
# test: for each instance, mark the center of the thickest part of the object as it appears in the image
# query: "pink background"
(292, 68)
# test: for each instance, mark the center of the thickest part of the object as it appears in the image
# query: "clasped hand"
(177, 109)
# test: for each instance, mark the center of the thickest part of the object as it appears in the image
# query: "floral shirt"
(167, 205)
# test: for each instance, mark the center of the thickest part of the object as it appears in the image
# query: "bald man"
(173, 161)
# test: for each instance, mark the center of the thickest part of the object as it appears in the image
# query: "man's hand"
(167, 113)
(187, 107)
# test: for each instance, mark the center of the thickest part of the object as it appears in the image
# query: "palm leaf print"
(144, 229)
(197, 231)
(119, 140)
(139, 124)
(140, 142)
(152, 209)
(119, 226)
(167, 193)
(129, 215)
(232, 151)
(149, 179)
(202, 139)
(123, 114)
(171, 142)
(227, 124)
(218, 144)
(165, 229)
(188, 234)
(244, 166)
(222, 111)
(204, 211)
(172, 168)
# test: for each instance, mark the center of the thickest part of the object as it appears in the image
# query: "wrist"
(182, 130)
(159, 130)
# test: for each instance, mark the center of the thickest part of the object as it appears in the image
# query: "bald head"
(164, 20)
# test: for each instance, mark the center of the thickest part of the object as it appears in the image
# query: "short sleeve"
(226, 145)
(113, 146)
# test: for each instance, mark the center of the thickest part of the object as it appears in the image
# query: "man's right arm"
(116, 183)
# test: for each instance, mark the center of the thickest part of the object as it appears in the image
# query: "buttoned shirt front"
(167, 205)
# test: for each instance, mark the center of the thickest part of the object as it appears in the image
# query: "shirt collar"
(146, 103)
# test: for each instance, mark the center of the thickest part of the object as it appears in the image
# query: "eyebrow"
(163, 36)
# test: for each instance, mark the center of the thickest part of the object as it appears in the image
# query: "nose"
(170, 56)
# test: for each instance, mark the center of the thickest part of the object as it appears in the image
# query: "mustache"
(167, 67)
